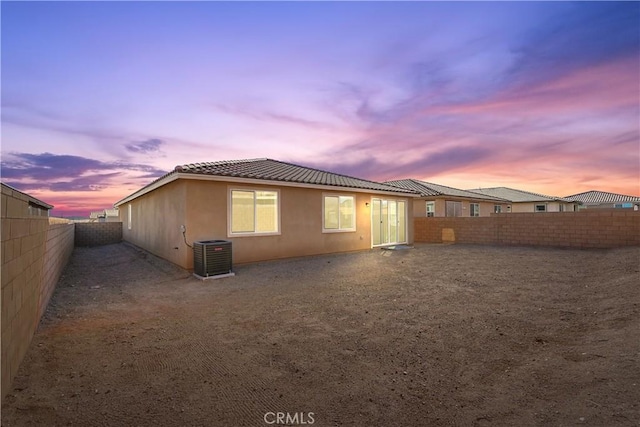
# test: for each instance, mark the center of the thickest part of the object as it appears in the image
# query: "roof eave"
(240, 180)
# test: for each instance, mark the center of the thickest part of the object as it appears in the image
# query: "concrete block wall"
(603, 228)
(35, 250)
(98, 233)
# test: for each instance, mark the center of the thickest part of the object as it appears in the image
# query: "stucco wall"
(585, 229)
(35, 250)
(155, 222)
(486, 208)
(202, 206)
(531, 207)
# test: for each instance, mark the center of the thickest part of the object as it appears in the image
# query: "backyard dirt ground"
(436, 335)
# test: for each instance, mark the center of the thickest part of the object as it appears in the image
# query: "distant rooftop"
(30, 199)
(594, 197)
(517, 196)
(430, 189)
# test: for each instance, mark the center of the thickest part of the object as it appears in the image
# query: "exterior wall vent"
(212, 258)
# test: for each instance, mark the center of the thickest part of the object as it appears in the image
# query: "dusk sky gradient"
(100, 98)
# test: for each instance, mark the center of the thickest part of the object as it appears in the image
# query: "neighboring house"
(525, 201)
(440, 200)
(602, 199)
(21, 204)
(111, 215)
(267, 208)
(107, 215)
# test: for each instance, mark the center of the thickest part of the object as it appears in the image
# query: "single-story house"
(526, 201)
(268, 209)
(439, 200)
(602, 199)
(21, 204)
(107, 215)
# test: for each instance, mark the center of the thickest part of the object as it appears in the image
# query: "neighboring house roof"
(111, 212)
(427, 189)
(282, 173)
(595, 197)
(517, 196)
(95, 215)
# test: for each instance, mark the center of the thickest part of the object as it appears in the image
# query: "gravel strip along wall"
(610, 228)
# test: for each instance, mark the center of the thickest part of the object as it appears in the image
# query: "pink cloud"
(600, 87)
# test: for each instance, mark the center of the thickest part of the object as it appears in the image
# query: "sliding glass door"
(388, 222)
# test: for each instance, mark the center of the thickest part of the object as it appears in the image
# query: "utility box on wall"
(212, 259)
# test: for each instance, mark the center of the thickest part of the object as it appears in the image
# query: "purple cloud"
(65, 172)
(450, 159)
(145, 147)
(576, 36)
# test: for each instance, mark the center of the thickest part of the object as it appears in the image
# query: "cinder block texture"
(35, 250)
(98, 233)
(602, 228)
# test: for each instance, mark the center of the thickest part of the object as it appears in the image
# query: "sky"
(101, 98)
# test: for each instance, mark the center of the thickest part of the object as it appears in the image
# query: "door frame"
(406, 222)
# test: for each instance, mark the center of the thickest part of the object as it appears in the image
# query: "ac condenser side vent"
(212, 258)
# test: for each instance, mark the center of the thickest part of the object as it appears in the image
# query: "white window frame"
(433, 212)
(129, 216)
(355, 216)
(474, 212)
(497, 209)
(230, 233)
(535, 207)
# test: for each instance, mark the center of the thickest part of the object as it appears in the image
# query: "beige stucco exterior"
(529, 207)
(486, 208)
(202, 206)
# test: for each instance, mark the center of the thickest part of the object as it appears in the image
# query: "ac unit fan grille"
(212, 257)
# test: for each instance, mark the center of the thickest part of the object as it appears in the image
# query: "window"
(497, 209)
(541, 208)
(431, 209)
(254, 212)
(129, 216)
(561, 208)
(474, 209)
(453, 208)
(339, 213)
(34, 209)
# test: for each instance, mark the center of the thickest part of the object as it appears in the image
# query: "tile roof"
(275, 170)
(430, 189)
(271, 170)
(516, 196)
(595, 197)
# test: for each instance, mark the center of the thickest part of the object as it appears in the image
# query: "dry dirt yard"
(436, 335)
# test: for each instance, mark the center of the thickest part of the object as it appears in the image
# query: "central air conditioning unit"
(212, 258)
